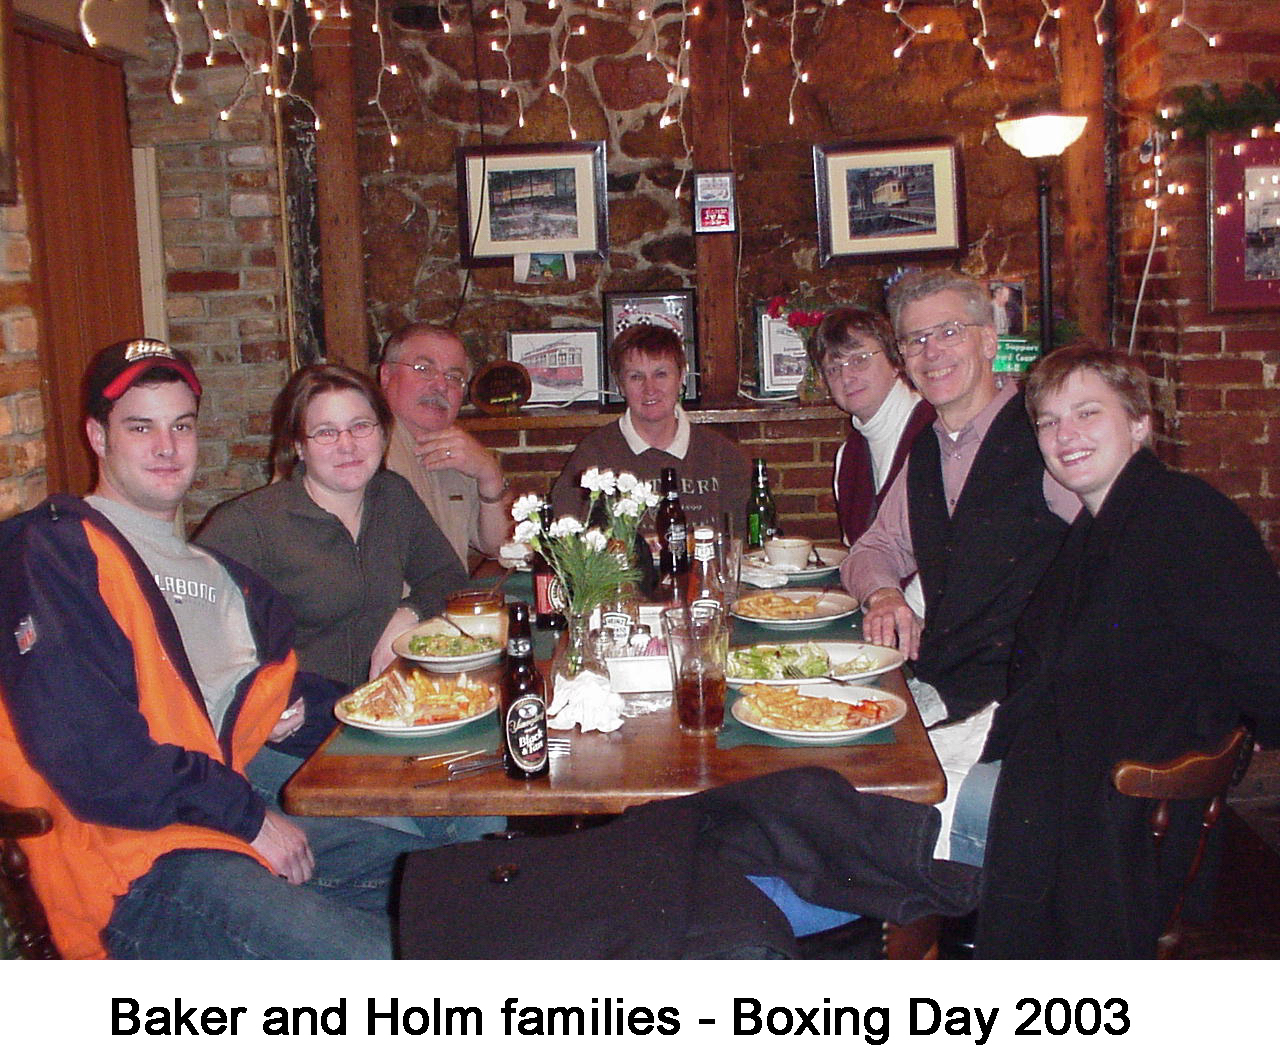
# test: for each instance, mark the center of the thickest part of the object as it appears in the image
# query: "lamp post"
(1041, 135)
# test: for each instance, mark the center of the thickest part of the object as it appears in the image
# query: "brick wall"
(222, 239)
(1216, 371)
(799, 452)
(23, 481)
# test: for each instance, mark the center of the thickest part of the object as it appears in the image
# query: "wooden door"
(77, 181)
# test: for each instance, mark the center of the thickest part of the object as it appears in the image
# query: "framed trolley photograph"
(1244, 222)
(548, 198)
(564, 365)
(888, 201)
(670, 308)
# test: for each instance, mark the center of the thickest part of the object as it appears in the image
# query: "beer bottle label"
(677, 538)
(705, 606)
(519, 647)
(526, 732)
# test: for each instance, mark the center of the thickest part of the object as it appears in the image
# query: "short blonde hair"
(1122, 374)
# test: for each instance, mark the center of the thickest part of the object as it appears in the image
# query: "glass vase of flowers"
(592, 560)
(803, 316)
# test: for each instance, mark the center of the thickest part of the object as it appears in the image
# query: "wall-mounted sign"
(713, 208)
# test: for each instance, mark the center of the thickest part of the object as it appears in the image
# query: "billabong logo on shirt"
(25, 634)
(187, 588)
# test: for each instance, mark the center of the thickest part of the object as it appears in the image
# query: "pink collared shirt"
(884, 556)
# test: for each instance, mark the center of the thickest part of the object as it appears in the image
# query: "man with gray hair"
(424, 373)
(973, 512)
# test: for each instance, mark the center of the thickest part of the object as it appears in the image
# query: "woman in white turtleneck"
(857, 354)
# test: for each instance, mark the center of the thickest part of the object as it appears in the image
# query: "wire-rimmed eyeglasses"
(854, 361)
(328, 434)
(944, 335)
(430, 371)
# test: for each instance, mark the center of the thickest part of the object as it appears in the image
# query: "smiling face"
(147, 450)
(859, 388)
(426, 399)
(651, 386)
(959, 381)
(1087, 436)
(347, 465)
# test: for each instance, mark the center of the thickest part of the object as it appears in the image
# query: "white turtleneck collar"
(884, 429)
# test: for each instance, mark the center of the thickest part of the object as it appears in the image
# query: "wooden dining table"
(358, 773)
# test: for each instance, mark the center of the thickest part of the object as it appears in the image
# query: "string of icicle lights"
(271, 64)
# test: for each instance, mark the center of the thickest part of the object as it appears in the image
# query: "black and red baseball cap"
(117, 367)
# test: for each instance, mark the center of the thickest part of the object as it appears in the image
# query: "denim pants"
(202, 904)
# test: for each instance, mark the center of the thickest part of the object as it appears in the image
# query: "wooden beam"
(338, 196)
(708, 122)
(1087, 219)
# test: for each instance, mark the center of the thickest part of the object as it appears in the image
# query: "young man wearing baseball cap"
(138, 677)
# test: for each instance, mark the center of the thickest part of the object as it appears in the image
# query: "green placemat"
(483, 733)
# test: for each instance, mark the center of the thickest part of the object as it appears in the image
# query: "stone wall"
(23, 481)
(220, 209)
(1216, 371)
(939, 87)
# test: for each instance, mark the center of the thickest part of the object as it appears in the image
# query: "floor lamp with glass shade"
(1040, 136)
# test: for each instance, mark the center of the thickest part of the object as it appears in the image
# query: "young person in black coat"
(1157, 626)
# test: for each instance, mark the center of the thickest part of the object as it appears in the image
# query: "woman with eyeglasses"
(336, 534)
(857, 355)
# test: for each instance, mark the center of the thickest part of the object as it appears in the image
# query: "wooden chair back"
(19, 903)
(1193, 775)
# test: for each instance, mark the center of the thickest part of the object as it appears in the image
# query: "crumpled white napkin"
(763, 577)
(584, 700)
(514, 555)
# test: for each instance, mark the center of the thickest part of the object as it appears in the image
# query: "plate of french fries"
(817, 715)
(417, 704)
(793, 608)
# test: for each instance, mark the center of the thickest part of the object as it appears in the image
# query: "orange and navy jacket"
(102, 721)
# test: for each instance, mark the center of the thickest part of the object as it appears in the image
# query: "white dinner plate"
(448, 664)
(832, 605)
(830, 555)
(400, 730)
(897, 709)
(885, 660)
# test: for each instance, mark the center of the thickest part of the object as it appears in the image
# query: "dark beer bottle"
(762, 515)
(522, 715)
(547, 614)
(673, 530)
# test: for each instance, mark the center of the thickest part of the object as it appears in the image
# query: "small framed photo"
(886, 201)
(1009, 299)
(542, 199)
(780, 355)
(1244, 222)
(564, 365)
(713, 204)
(670, 308)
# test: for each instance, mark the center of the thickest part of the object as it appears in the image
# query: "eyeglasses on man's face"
(328, 434)
(428, 370)
(943, 335)
(855, 362)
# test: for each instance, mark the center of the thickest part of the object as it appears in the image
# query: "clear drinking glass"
(697, 647)
(729, 555)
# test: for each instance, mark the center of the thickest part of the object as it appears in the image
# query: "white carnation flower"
(627, 507)
(565, 526)
(595, 540)
(526, 531)
(645, 495)
(627, 483)
(608, 482)
(591, 478)
(525, 507)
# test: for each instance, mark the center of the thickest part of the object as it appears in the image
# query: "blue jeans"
(973, 813)
(201, 904)
(269, 770)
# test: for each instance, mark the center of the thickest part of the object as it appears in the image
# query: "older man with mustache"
(424, 374)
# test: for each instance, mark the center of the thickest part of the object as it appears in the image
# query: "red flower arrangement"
(803, 320)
